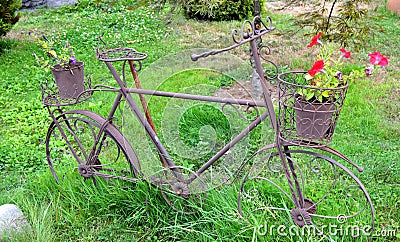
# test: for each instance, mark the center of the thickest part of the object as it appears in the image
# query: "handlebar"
(246, 37)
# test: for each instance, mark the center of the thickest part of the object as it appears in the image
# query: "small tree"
(8, 15)
(342, 21)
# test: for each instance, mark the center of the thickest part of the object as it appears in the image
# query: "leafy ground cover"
(368, 131)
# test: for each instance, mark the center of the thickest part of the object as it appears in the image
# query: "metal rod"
(141, 97)
(61, 130)
(144, 105)
(197, 97)
(294, 175)
(136, 110)
(266, 94)
(270, 107)
(115, 106)
(234, 141)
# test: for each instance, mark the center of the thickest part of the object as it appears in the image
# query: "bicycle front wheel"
(330, 202)
(71, 152)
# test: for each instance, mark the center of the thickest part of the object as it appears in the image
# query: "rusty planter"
(313, 120)
(69, 81)
(303, 122)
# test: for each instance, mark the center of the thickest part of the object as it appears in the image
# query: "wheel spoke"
(333, 196)
(76, 133)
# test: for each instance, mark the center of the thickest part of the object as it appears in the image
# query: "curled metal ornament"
(263, 52)
(314, 165)
(51, 95)
(249, 110)
(250, 29)
(247, 31)
(275, 167)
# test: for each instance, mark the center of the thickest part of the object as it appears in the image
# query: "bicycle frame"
(126, 92)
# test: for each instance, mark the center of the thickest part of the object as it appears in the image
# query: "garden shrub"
(8, 15)
(218, 10)
(215, 10)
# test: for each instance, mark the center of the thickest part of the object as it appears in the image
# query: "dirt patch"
(294, 8)
(245, 90)
(299, 7)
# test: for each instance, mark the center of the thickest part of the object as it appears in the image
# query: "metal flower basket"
(304, 122)
(70, 81)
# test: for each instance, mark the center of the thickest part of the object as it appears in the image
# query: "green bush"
(8, 15)
(218, 10)
(215, 10)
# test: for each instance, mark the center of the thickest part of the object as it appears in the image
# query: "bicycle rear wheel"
(69, 146)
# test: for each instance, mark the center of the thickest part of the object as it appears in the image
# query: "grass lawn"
(368, 132)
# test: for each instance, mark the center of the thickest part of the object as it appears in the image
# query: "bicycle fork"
(287, 163)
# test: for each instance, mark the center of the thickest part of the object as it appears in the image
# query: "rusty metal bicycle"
(294, 175)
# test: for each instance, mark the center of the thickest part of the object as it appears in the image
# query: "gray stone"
(59, 3)
(12, 220)
(33, 3)
(26, 4)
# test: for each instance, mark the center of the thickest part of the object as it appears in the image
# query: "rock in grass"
(12, 220)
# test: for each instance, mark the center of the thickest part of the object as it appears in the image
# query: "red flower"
(317, 67)
(345, 53)
(377, 59)
(315, 40)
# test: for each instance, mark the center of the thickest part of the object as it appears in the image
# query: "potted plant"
(310, 102)
(68, 73)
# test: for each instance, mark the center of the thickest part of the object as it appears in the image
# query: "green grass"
(368, 132)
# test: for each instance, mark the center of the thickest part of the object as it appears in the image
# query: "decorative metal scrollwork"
(249, 110)
(250, 29)
(263, 51)
(51, 95)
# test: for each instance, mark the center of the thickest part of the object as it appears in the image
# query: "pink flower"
(377, 59)
(315, 40)
(339, 75)
(345, 53)
(368, 70)
(317, 67)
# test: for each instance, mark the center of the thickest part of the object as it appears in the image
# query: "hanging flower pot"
(60, 58)
(313, 120)
(303, 121)
(69, 79)
(310, 101)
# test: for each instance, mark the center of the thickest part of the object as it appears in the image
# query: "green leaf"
(325, 93)
(309, 95)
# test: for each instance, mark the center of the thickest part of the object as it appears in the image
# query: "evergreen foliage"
(8, 15)
(214, 10)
